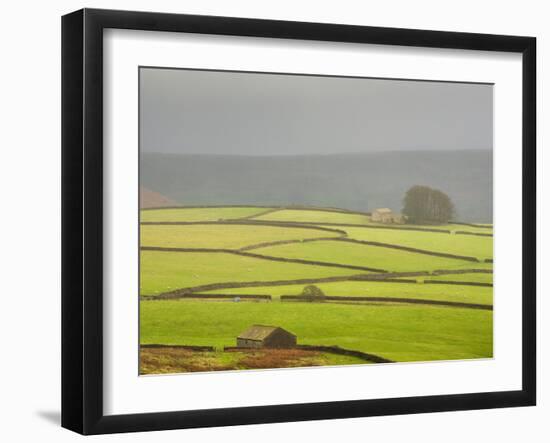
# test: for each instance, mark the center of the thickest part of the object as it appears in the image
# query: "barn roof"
(383, 210)
(258, 332)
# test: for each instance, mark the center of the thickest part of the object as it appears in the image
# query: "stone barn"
(260, 336)
(386, 215)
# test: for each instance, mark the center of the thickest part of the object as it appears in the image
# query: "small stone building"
(260, 336)
(386, 215)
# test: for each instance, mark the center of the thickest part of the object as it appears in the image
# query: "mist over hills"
(352, 181)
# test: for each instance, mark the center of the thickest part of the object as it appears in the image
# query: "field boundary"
(406, 248)
(273, 207)
(259, 214)
(190, 347)
(373, 226)
(318, 209)
(318, 225)
(320, 348)
(369, 243)
(419, 301)
(479, 234)
(343, 238)
(312, 262)
(283, 242)
(461, 271)
(234, 285)
(473, 225)
(195, 295)
(264, 257)
(354, 225)
(329, 349)
(246, 222)
(390, 277)
(458, 283)
(205, 207)
(342, 351)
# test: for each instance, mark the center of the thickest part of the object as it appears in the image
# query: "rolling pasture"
(165, 271)
(399, 333)
(478, 247)
(452, 293)
(400, 292)
(224, 236)
(366, 255)
(197, 214)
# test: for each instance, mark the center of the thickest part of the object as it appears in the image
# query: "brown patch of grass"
(280, 358)
(167, 360)
(173, 360)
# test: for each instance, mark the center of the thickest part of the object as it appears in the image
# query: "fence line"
(420, 301)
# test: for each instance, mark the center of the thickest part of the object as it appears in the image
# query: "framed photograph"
(269, 221)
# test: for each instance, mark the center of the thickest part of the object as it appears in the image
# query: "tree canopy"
(312, 291)
(423, 204)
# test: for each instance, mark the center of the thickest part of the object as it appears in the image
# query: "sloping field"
(473, 246)
(224, 236)
(395, 332)
(152, 199)
(328, 216)
(453, 293)
(366, 255)
(167, 271)
(277, 252)
(198, 214)
(314, 216)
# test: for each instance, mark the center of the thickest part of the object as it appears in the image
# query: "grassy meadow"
(397, 332)
(237, 251)
(452, 293)
(167, 271)
(466, 245)
(220, 236)
(198, 214)
(355, 254)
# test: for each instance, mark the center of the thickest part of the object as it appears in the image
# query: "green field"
(368, 256)
(239, 258)
(454, 293)
(467, 245)
(398, 332)
(343, 217)
(197, 214)
(223, 236)
(167, 271)
(312, 216)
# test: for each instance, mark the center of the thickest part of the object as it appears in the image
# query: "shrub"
(313, 292)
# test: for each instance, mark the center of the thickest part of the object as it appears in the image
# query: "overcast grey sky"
(205, 112)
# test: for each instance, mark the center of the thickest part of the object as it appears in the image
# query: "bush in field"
(313, 292)
(423, 204)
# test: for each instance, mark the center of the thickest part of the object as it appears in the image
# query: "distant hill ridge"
(358, 182)
(150, 199)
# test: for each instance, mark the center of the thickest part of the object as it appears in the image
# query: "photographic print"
(291, 220)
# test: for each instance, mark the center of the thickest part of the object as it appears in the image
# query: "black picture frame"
(82, 220)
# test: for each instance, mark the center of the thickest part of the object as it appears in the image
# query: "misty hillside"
(352, 181)
(150, 199)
